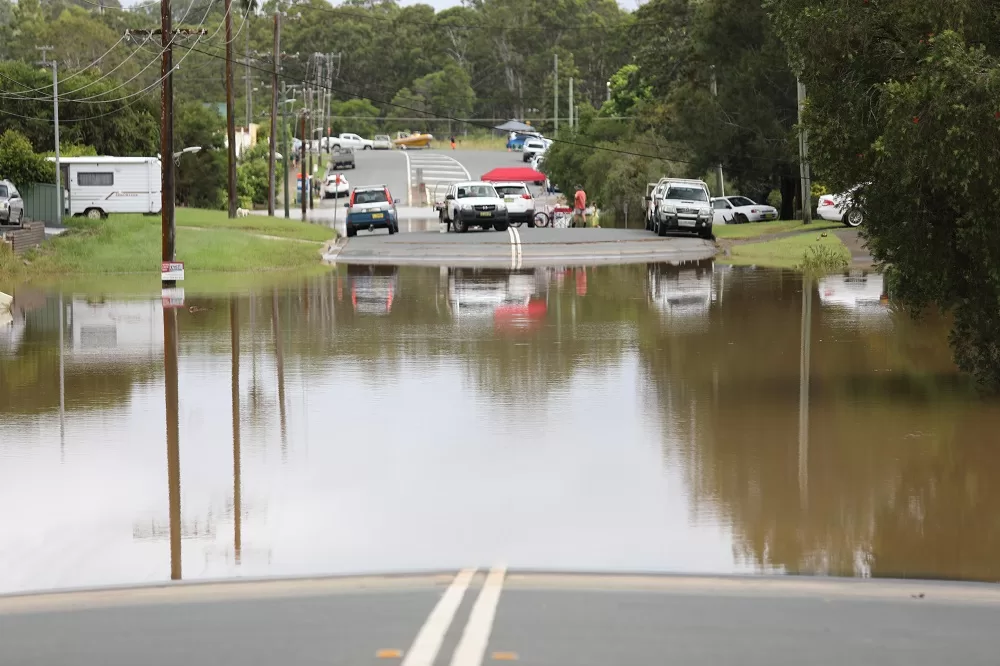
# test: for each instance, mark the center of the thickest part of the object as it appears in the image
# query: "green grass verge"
(757, 229)
(473, 142)
(258, 224)
(802, 251)
(131, 244)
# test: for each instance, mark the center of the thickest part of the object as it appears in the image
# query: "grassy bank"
(482, 142)
(813, 250)
(207, 241)
(758, 229)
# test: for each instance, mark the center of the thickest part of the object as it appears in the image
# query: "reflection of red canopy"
(519, 174)
(520, 317)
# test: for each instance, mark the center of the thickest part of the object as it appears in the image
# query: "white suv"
(682, 205)
(533, 147)
(520, 203)
(474, 204)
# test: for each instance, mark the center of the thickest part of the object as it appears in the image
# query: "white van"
(97, 186)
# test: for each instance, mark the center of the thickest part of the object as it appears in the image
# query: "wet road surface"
(520, 247)
(683, 418)
(471, 618)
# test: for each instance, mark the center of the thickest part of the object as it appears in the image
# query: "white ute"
(351, 141)
(682, 205)
(474, 204)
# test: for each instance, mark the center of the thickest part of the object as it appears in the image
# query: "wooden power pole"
(305, 185)
(271, 192)
(230, 109)
(167, 198)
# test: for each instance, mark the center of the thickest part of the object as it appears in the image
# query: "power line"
(71, 76)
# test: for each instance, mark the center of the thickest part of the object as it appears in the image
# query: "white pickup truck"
(351, 141)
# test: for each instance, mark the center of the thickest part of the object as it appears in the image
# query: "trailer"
(97, 186)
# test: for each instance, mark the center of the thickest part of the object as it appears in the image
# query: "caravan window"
(95, 179)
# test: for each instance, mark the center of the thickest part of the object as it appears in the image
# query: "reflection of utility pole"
(279, 356)
(718, 169)
(62, 384)
(234, 338)
(805, 343)
(806, 180)
(170, 343)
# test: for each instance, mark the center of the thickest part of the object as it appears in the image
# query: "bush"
(20, 164)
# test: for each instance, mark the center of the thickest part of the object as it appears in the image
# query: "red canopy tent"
(517, 174)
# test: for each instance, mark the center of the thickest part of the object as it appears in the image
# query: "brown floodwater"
(661, 418)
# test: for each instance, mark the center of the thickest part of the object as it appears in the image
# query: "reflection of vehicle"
(506, 298)
(682, 291)
(474, 204)
(866, 290)
(336, 186)
(371, 207)
(683, 206)
(740, 210)
(372, 288)
(342, 157)
(382, 142)
(520, 203)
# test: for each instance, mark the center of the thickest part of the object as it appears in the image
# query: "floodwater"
(689, 418)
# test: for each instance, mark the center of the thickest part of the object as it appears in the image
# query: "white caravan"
(97, 186)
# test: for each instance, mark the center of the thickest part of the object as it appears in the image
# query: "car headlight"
(466, 206)
(669, 210)
(502, 207)
(5, 205)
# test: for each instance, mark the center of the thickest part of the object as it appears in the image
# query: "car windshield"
(3, 192)
(470, 191)
(516, 190)
(741, 201)
(687, 193)
(370, 197)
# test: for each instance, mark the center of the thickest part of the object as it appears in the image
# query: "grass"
(258, 224)
(810, 251)
(131, 244)
(475, 142)
(757, 229)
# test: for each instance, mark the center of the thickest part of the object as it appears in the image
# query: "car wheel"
(391, 229)
(460, 226)
(20, 216)
(501, 226)
(661, 228)
(351, 231)
(93, 213)
(336, 146)
(853, 218)
(706, 233)
(368, 147)
(741, 218)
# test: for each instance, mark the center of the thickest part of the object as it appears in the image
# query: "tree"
(20, 164)
(904, 98)
(362, 114)
(447, 92)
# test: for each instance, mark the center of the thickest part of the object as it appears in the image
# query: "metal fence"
(41, 202)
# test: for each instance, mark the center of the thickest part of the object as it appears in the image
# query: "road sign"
(173, 298)
(172, 271)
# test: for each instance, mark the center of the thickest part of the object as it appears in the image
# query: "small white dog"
(242, 212)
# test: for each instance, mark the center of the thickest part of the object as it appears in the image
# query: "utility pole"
(718, 169)
(230, 109)
(246, 63)
(274, 116)
(304, 113)
(572, 118)
(284, 146)
(312, 132)
(804, 176)
(55, 118)
(555, 95)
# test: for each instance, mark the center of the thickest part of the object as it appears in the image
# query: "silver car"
(11, 204)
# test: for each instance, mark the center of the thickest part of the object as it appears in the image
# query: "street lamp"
(177, 155)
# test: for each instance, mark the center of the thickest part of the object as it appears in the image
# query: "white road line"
(409, 180)
(517, 237)
(426, 645)
(472, 646)
(513, 248)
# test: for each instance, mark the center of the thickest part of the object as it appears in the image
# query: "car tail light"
(526, 196)
(826, 201)
(351, 202)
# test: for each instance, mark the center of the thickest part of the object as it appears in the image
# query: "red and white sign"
(173, 298)
(172, 271)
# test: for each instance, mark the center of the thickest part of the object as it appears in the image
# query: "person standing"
(579, 207)
(453, 143)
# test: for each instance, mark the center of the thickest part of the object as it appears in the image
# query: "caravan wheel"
(94, 213)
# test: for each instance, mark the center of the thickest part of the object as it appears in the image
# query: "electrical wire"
(68, 78)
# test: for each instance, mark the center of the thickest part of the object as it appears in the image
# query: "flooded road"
(659, 418)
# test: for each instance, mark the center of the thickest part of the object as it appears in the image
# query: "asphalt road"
(518, 248)
(471, 618)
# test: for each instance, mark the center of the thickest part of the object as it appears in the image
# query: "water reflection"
(662, 417)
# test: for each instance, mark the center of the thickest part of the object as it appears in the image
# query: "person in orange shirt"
(579, 207)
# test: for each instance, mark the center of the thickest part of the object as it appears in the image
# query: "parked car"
(11, 204)
(336, 186)
(382, 142)
(533, 147)
(351, 141)
(520, 203)
(474, 204)
(683, 205)
(371, 207)
(517, 143)
(341, 158)
(740, 210)
(842, 207)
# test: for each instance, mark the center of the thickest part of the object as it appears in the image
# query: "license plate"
(685, 223)
(769, 216)
(508, 198)
(486, 214)
(377, 216)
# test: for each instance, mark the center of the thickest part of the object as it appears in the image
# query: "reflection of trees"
(892, 449)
